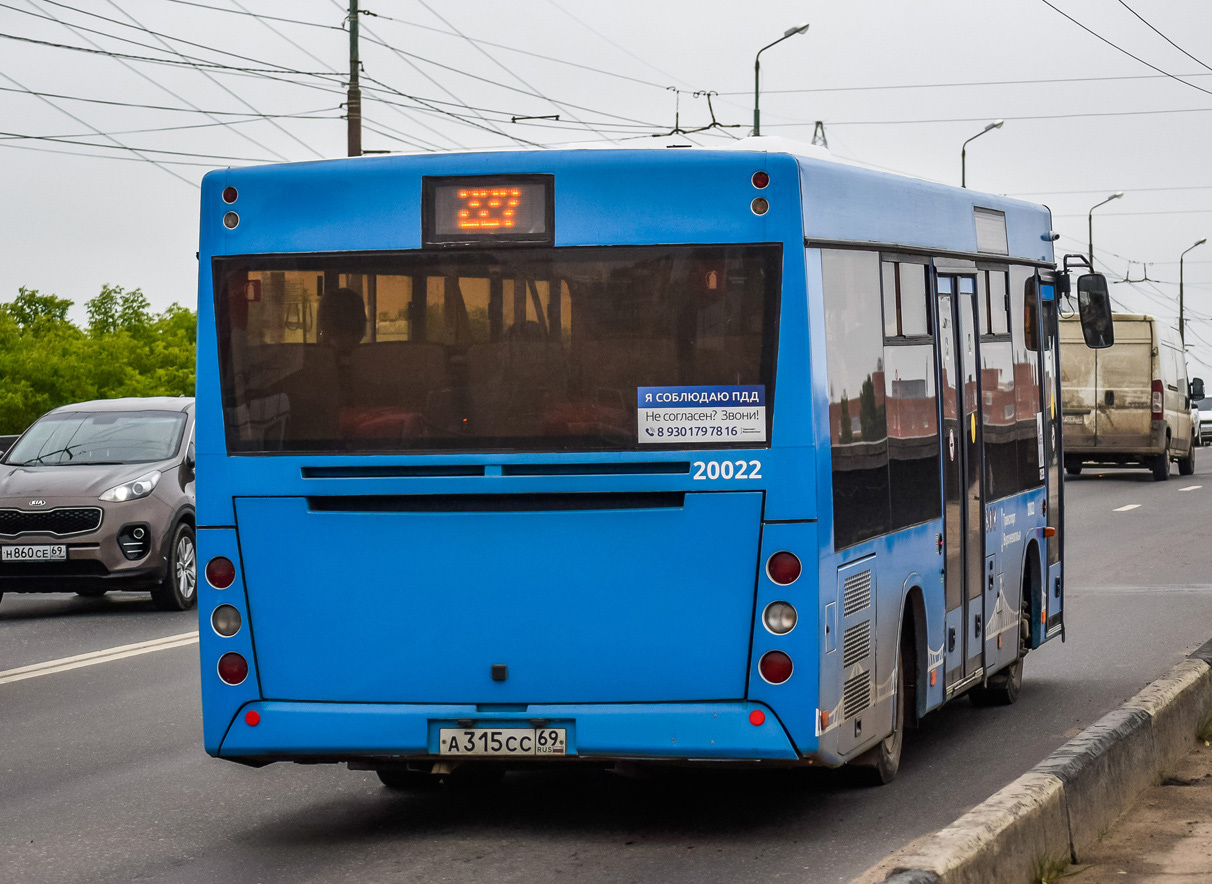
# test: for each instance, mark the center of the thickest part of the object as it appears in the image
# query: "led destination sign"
(478, 210)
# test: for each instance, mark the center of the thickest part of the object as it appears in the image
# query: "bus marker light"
(757, 718)
(229, 194)
(824, 719)
(775, 667)
(760, 179)
(783, 568)
(1049, 532)
(252, 718)
(233, 668)
(759, 206)
(779, 617)
(933, 677)
(999, 642)
(220, 572)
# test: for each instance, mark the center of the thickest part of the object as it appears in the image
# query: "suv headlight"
(134, 489)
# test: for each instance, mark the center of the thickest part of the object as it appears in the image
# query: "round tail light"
(220, 572)
(779, 617)
(760, 179)
(229, 194)
(783, 568)
(775, 667)
(233, 668)
(760, 206)
(226, 620)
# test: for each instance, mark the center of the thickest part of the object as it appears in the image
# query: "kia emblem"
(37, 503)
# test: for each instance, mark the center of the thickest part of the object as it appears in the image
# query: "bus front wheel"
(879, 764)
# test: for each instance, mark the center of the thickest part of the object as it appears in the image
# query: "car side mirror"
(1197, 388)
(1094, 308)
(189, 457)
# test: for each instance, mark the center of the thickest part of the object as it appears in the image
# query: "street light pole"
(1182, 328)
(1090, 223)
(757, 69)
(996, 124)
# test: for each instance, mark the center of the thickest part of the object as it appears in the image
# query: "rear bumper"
(292, 731)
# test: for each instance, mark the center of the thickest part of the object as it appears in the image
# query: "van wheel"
(1186, 465)
(879, 764)
(179, 591)
(1161, 465)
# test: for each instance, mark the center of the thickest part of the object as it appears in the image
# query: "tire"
(1161, 466)
(179, 591)
(1074, 470)
(1186, 465)
(1002, 688)
(879, 764)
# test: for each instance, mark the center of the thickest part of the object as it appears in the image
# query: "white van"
(1129, 404)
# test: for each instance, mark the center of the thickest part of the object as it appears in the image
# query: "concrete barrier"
(1063, 806)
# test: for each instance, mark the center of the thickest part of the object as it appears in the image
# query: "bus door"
(963, 522)
(1050, 394)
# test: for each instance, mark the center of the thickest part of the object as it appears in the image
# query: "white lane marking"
(1124, 509)
(94, 657)
(1191, 488)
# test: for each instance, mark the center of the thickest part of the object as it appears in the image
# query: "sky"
(111, 111)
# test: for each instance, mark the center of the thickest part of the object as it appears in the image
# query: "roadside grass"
(1205, 731)
(1048, 871)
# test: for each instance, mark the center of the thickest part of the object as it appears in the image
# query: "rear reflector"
(233, 668)
(252, 717)
(775, 667)
(757, 717)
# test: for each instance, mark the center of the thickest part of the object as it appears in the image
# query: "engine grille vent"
(856, 643)
(856, 694)
(62, 521)
(856, 593)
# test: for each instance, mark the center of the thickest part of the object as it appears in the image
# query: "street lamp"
(996, 124)
(790, 32)
(1090, 222)
(1182, 331)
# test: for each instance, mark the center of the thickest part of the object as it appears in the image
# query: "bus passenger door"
(963, 522)
(1053, 594)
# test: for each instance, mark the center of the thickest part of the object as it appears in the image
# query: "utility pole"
(353, 101)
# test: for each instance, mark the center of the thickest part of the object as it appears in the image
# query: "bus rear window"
(516, 349)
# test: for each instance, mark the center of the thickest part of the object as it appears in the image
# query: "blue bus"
(728, 456)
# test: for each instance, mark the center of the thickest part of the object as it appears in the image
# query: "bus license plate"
(47, 552)
(502, 741)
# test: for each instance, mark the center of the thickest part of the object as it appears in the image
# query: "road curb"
(1059, 809)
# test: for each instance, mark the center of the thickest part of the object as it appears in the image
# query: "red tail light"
(220, 572)
(1159, 396)
(775, 667)
(233, 668)
(783, 568)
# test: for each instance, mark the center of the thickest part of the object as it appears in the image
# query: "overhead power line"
(895, 86)
(1163, 36)
(1119, 48)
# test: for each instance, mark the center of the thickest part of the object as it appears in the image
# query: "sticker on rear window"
(698, 415)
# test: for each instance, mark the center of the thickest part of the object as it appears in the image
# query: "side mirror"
(1094, 308)
(189, 457)
(1197, 388)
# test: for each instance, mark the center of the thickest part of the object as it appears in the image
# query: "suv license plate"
(48, 552)
(502, 741)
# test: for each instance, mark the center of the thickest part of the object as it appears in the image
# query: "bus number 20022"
(728, 469)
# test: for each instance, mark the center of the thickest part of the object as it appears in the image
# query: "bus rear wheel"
(404, 780)
(879, 764)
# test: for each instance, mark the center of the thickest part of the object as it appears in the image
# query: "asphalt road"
(103, 778)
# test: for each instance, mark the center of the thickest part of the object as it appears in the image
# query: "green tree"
(47, 361)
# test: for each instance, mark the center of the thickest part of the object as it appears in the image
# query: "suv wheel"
(179, 591)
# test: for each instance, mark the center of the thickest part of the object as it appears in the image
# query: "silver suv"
(100, 495)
